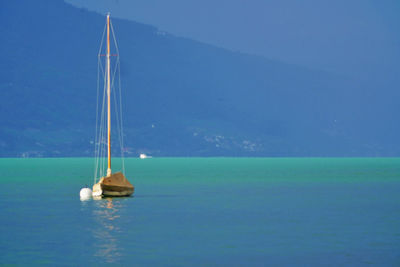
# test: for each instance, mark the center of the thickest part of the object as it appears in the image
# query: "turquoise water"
(204, 212)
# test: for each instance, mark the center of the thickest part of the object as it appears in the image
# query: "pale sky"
(357, 37)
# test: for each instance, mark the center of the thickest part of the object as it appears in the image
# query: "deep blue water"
(204, 212)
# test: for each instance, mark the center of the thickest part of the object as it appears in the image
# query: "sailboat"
(109, 184)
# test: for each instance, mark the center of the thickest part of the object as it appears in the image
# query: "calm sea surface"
(204, 212)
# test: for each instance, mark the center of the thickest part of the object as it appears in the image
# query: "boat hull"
(115, 185)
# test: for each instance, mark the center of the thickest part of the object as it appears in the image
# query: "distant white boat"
(144, 156)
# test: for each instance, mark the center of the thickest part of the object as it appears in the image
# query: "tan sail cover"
(117, 179)
(114, 185)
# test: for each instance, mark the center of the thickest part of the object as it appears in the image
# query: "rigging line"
(116, 117)
(97, 103)
(97, 142)
(102, 39)
(120, 97)
(103, 143)
(120, 113)
(98, 72)
(102, 151)
(119, 123)
(117, 120)
(97, 114)
(100, 141)
(102, 148)
(100, 134)
(104, 127)
(115, 39)
(97, 146)
(113, 84)
(103, 106)
(116, 68)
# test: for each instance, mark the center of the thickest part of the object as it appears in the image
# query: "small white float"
(85, 193)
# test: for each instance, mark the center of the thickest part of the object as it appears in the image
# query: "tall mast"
(108, 96)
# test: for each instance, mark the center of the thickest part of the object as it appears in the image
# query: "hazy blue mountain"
(181, 97)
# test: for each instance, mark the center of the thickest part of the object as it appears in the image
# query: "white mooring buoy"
(85, 193)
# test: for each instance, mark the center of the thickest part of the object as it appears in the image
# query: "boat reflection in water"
(106, 231)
